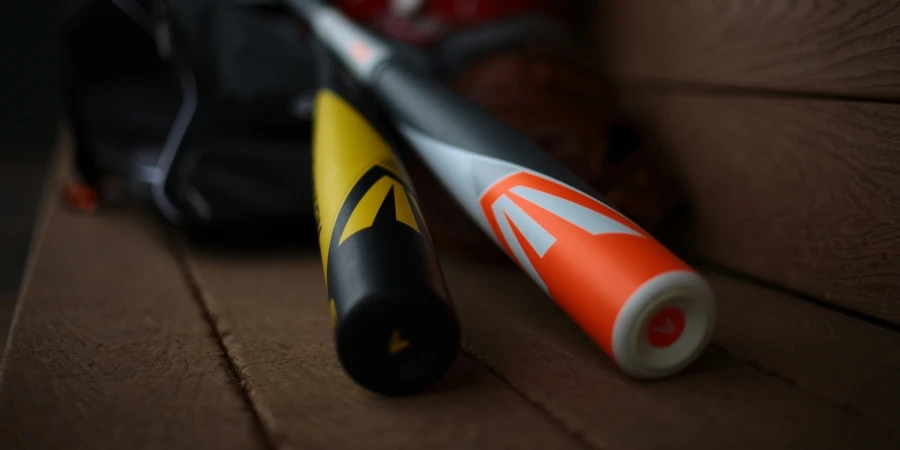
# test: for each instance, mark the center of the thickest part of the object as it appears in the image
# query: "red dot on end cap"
(666, 327)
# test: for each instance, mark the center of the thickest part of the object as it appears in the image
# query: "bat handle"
(419, 102)
(360, 51)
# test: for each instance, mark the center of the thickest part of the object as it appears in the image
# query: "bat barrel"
(395, 329)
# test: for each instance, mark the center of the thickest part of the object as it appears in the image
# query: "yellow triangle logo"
(333, 312)
(363, 215)
(397, 343)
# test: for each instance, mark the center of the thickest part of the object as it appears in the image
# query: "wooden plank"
(718, 403)
(839, 357)
(273, 312)
(108, 348)
(827, 47)
(801, 193)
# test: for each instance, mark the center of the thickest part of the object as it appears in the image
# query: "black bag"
(199, 106)
(202, 108)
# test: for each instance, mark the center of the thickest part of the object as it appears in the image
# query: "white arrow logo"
(508, 213)
(666, 328)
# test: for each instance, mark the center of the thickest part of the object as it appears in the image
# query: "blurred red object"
(426, 22)
(80, 197)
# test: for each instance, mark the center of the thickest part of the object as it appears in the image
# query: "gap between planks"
(710, 266)
(551, 417)
(649, 85)
(271, 437)
(782, 378)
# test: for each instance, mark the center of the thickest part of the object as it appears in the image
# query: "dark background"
(30, 115)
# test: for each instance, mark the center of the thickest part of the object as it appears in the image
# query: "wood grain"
(109, 350)
(801, 193)
(720, 402)
(816, 46)
(273, 313)
(842, 358)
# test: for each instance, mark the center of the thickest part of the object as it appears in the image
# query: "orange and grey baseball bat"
(645, 307)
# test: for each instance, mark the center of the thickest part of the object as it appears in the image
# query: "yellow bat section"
(345, 148)
(363, 215)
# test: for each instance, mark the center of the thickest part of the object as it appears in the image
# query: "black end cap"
(398, 344)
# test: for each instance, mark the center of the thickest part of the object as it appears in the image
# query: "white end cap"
(665, 325)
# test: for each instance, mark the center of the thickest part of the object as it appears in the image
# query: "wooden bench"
(782, 124)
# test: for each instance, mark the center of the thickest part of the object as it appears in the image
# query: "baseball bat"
(645, 307)
(396, 332)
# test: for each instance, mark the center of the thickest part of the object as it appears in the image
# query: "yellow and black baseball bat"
(396, 331)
